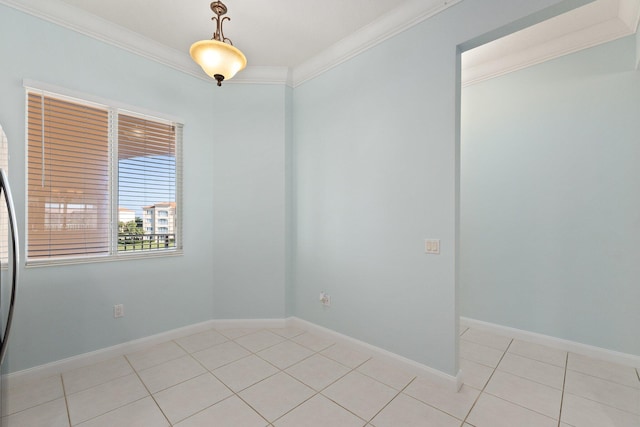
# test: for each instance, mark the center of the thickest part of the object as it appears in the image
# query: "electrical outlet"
(325, 299)
(118, 311)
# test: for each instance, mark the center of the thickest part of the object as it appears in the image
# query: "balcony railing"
(145, 242)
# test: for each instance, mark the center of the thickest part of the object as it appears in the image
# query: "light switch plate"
(432, 246)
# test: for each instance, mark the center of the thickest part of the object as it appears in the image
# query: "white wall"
(550, 208)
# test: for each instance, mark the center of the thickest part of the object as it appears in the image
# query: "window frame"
(114, 108)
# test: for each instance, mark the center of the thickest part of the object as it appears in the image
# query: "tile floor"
(292, 378)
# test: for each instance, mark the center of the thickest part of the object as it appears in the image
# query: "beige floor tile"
(580, 412)
(539, 352)
(155, 355)
(285, 354)
(442, 395)
(360, 394)
(531, 369)
(480, 353)
(188, 398)
(276, 395)
(201, 341)
(220, 355)
(143, 412)
(244, 372)
(231, 412)
(288, 332)
(603, 391)
(487, 339)
(171, 373)
(317, 371)
(96, 374)
(319, 412)
(621, 374)
(529, 394)
(406, 411)
(474, 374)
(491, 411)
(50, 414)
(313, 342)
(259, 340)
(386, 373)
(345, 355)
(106, 397)
(22, 394)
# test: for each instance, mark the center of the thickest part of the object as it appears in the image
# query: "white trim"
(78, 20)
(401, 362)
(249, 323)
(559, 343)
(99, 101)
(596, 23)
(52, 262)
(629, 13)
(81, 360)
(398, 20)
(596, 35)
(258, 75)
(85, 359)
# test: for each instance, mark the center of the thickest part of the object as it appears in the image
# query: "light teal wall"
(249, 202)
(290, 222)
(637, 49)
(233, 148)
(330, 186)
(375, 174)
(550, 208)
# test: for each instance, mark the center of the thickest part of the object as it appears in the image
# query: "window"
(87, 161)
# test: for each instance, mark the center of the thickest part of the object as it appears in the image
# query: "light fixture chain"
(220, 9)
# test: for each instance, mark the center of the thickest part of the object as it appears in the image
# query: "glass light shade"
(218, 58)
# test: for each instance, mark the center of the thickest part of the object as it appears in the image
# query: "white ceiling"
(294, 40)
(272, 33)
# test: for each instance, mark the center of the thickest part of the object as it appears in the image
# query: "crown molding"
(78, 20)
(587, 37)
(397, 21)
(622, 22)
(85, 23)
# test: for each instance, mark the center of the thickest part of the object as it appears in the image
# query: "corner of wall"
(289, 204)
(637, 50)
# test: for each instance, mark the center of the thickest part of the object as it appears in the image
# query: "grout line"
(66, 401)
(508, 401)
(394, 398)
(564, 381)
(148, 391)
(487, 382)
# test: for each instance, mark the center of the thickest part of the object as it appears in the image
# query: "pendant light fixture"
(218, 57)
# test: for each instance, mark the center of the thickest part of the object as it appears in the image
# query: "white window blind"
(147, 177)
(89, 165)
(68, 171)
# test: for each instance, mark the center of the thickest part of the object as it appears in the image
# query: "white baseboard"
(248, 323)
(81, 360)
(559, 343)
(401, 362)
(85, 359)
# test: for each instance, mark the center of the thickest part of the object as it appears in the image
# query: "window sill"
(105, 258)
